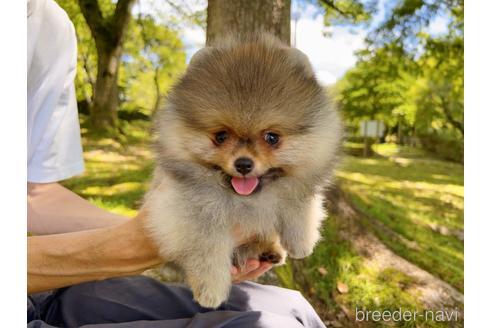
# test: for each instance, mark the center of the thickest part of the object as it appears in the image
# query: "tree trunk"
(447, 113)
(108, 34)
(225, 17)
(105, 105)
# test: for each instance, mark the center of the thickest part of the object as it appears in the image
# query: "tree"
(377, 87)
(409, 18)
(152, 60)
(163, 53)
(443, 73)
(85, 79)
(439, 98)
(225, 17)
(347, 11)
(108, 32)
(427, 93)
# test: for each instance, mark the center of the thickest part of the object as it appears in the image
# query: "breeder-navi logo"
(406, 315)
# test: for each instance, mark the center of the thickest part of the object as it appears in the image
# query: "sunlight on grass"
(121, 207)
(334, 261)
(117, 172)
(419, 204)
(414, 204)
(112, 190)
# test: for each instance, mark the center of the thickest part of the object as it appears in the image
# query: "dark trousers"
(142, 302)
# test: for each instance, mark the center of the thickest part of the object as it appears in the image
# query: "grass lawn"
(418, 202)
(414, 204)
(117, 172)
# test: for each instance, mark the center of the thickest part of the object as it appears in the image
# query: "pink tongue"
(244, 186)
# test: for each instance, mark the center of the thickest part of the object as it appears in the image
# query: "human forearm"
(61, 260)
(51, 209)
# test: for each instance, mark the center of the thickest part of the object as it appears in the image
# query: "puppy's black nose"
(244, 165)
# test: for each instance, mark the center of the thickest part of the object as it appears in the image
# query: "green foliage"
(409, 18)
(377, 87)
(152, 61)
(339, 12)
(439, 97)
(86, 51)
(409, 78)
(153, 57)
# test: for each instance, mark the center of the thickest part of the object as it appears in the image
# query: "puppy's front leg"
(299, 229)
(207, 265)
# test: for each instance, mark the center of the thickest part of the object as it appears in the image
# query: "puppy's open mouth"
(246, 186)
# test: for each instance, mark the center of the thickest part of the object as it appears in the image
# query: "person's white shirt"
(54, 150)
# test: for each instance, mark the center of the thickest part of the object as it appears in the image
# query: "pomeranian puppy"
(248, 140)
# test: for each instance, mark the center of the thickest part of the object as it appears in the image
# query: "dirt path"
(431, 291)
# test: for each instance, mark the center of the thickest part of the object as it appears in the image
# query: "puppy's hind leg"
(207, 267)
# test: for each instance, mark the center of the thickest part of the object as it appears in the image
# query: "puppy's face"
(254, 112)
(249, 159)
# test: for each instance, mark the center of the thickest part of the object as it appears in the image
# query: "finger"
(239, 274)
(251, 275)
(251, 264)
(264, 267)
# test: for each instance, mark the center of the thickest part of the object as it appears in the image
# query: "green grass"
(334, 261)
(117, 170)
(419, 202)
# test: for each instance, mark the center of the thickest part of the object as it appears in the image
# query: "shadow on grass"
(419, 244)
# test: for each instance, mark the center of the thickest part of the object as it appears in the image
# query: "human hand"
(252, 270)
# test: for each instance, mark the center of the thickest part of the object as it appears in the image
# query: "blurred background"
(394, 236)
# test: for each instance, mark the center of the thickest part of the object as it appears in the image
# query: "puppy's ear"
(199, 56)
(298, 58)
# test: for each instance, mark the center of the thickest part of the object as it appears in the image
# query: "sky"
(332, 55)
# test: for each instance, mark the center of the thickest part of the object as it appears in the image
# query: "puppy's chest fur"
(204, 199)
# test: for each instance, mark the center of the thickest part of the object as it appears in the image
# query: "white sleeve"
(54, 150)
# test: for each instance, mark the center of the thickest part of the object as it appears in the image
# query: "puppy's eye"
(221, 136)
(271, 138)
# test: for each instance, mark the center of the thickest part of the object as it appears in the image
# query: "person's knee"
(112, 300)
(282, 301)
(304, 311)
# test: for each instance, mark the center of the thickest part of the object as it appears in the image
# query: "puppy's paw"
(211, 295)
(272, 257)
(275, 254)
(265, 251)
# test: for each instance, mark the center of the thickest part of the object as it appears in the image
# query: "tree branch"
(331, 4)
(458, 125)
(94, 18)
(121, 17)
(90, 80)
